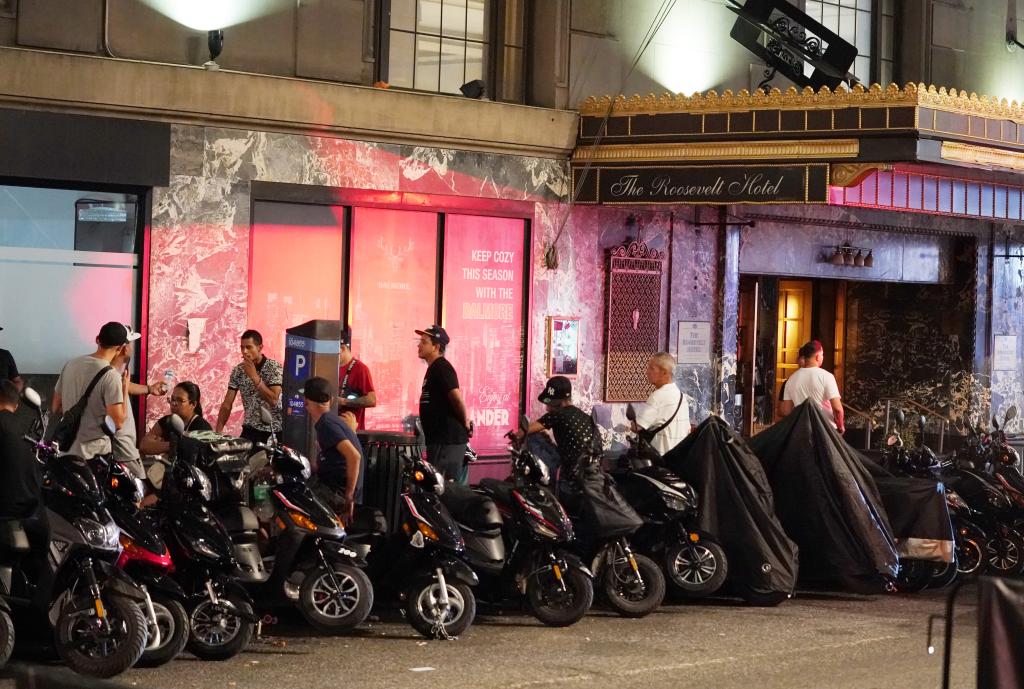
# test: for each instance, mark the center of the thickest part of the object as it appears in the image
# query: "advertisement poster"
(483, 314)
(392, 294)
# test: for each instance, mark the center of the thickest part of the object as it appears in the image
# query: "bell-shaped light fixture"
(215, 42)
(848, 256)
(837, 257)
(869, 260)
(858, 260)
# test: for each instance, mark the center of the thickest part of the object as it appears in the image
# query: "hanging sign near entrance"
(1004, 354)
(721, 184)
(693, 342)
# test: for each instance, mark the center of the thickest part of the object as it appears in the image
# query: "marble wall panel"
(472, 173)
(1007, 386)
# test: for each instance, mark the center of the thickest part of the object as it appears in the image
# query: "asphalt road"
(814, 641)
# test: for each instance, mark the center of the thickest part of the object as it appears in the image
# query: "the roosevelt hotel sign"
(721, 184)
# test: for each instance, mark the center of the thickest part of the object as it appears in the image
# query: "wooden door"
(794, 327)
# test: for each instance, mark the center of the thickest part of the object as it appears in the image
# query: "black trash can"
(386, 457)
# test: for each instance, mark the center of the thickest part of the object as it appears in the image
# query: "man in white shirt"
(811, 381)
(665, 403)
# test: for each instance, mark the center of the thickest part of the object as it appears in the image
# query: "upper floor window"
(438, 45)
(853, 21)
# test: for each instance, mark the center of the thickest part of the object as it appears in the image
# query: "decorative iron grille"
(634, 318)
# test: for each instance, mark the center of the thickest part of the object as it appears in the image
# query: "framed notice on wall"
(1004, 353)
(693, 342)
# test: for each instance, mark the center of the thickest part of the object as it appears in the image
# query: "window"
(438, 45)
(852, 20)
(69, 262)
(406, 270)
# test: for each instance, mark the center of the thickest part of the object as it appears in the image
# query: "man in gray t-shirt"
(108, 396)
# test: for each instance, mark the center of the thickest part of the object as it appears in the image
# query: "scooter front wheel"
(559, 603)
(426, 613)
(696, 569)
(6, 637)
(172, 620)
(218, 632)
(338, 601)
(633, 593)
(99, 647)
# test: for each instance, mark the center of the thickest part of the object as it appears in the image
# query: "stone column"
(727, 317)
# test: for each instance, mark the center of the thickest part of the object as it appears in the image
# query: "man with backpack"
(89, 389)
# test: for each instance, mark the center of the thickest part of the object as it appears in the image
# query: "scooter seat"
(13, 537)
(497, 489)
(366, 521)
(238, 518)
(468, 507)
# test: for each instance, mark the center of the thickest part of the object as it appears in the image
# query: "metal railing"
(868, 426)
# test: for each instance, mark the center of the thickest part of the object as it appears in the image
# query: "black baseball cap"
(437, 334)
(114, 334)
(346, 335)
(317, 389)
(556, 389)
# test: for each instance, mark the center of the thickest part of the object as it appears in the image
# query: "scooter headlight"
(675, 503)
(102, 536)
(202, 547)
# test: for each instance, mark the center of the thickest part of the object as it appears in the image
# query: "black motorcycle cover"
(917, 513)
(603, 512)
(1000, 629)
(828, 502)
(736, 507)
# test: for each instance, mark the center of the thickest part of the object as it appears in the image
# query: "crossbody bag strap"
(95, 380)
(344, 381)
(663, 426)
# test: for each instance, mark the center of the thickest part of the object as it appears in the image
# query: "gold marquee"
(911, 95)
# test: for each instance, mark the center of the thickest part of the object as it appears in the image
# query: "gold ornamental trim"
(850, 174)
(910, 95)
(981, 155)
(725, 150)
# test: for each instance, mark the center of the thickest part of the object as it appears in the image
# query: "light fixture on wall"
(215, 42)
(847, 255)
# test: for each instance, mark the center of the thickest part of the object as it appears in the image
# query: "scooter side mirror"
(177, 424)
(630, 412)
(1011, 414)
(995, 422)
(32, 398)
(265, 415)
(524, 422)
(109, 427)
(901, 418)
(922, 422)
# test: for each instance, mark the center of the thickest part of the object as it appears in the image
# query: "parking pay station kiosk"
(310, 349)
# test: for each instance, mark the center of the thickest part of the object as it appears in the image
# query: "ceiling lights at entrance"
(846, 255)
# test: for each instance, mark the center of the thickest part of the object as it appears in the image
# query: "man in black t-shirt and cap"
(572, 427)
(442, 409)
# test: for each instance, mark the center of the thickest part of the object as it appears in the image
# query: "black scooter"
(517, 537)
(423, 562)
(146, 558)
(221, 619)
(94, 609)
(694, 562)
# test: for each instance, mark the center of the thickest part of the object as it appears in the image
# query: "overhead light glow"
(687, 55)
(204, 15)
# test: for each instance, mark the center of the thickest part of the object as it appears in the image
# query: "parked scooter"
(146, 558)
(517, 538)
(306, 557)
(604, 524)
(423, 562)
(221, 619)
(94, 608)
(693, 561)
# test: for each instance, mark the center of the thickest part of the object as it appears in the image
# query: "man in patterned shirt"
(259, 379)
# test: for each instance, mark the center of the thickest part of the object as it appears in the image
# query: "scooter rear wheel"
(1005, 554)
(554, 607)
(971, 558)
